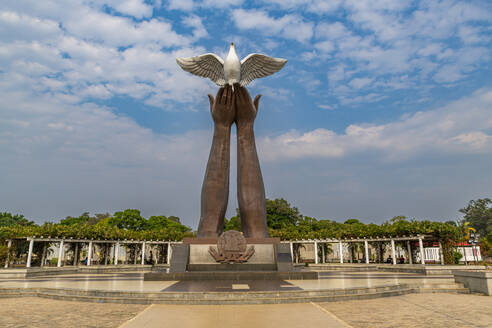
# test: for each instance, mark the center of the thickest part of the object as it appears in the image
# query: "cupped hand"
(246, 109)
(222, 107)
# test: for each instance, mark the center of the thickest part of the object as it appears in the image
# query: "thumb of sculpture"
(211, 100)
(257, 101)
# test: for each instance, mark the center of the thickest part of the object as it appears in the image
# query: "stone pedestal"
(263, 258)
(193, 260)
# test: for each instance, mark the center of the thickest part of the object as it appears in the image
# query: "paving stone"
(415, 311)
(36, 312)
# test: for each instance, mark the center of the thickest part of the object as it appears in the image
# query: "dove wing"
(255, 66)
(207, 65)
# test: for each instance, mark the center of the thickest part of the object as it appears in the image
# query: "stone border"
(230, 275)
(408, 268)
(217, 298)
(476, 281)
(17, 273)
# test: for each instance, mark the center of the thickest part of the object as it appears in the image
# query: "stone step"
(225, 301)
(227, 298)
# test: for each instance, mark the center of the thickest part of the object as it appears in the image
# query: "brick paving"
(416, 310)
(34, 312)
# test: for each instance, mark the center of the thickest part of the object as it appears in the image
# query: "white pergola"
(144, 243)
(366, 242)
(90, 242)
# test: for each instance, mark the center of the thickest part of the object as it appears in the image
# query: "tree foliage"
(233, 223)
(280, 214)
(284, 221)
(127, 224)
(9, 219)
(85, 218)
(479, 214)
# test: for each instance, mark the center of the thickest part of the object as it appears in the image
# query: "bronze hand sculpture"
(215, 189)
(250, 188)
(230, 106)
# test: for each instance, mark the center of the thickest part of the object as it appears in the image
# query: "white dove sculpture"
(231, 70)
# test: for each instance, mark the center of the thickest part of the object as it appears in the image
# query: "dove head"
(232, 51)
(232, 48)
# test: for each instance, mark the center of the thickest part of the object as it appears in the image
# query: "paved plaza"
(417, 310)
(133, 282)
(435, 308)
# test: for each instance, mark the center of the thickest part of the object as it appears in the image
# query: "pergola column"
(169, 253)
(76, 255)
(323, 258)
(43, 257)
(143, 253)
(421, 246)
(315, 252)
(351, 252)
(340, 248)
(409, 251)
(60, 254)
(441, 254)
(29, 254)
(9, 245)
(366, 251)
(291, 251)
(393, 255)
(116, 253)
(89, 254)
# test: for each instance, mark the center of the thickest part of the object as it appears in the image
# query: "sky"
(384, 107)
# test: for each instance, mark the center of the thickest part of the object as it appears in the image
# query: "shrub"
(457, 257)
(4, 252)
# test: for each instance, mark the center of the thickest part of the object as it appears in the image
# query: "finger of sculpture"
(211, 101)
(257, 102)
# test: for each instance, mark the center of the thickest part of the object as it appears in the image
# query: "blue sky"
(384, 107)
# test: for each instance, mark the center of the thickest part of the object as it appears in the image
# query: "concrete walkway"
(235, 316)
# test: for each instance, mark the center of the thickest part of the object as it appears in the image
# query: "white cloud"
(289, 26)
(459, 128)
(120, 31)
(190, 5)
(387, 41)
(324, 46)
(76, 56)
(14, 26)
(221, 3)
(360, 82)
(135, 8)
(196, 22)
(313, 6)
(185, 5)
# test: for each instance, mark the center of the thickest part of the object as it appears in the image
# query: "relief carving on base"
(231, 248)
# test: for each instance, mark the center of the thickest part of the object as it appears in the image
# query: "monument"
(251, 250)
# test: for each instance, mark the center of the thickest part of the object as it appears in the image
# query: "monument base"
(230, 275)
(202, 250)
(196, 259)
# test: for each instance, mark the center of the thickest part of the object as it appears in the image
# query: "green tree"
(280, 214)
(85, 218)
(173, 218)
(129, 219)
(479, 214)
(352, 221)
(233, 223)
(162, 222)
(9, 219)
(70, 220)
